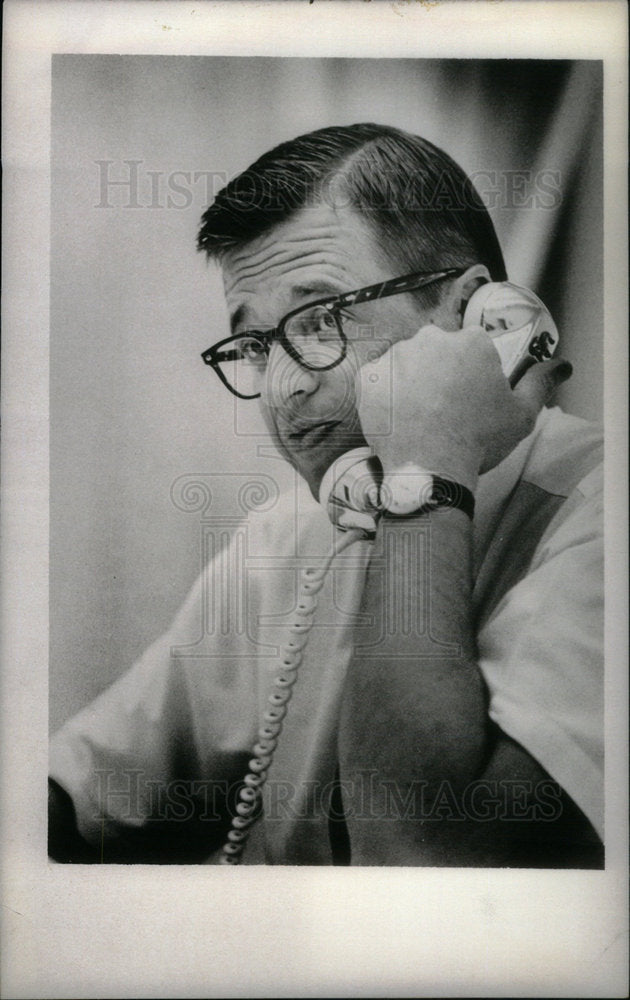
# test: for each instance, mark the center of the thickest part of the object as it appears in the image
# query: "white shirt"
(192, 706)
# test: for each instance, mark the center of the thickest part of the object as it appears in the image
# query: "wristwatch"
(355, 494)
(411, 490)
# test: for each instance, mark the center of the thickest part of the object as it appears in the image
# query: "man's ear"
(462, 289)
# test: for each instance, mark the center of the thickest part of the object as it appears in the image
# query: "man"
(447, 706)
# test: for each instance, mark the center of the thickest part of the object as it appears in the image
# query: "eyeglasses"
(313, 335)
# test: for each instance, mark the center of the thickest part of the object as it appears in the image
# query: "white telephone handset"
(523, 333)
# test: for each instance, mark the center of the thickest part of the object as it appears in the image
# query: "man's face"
(319, 251)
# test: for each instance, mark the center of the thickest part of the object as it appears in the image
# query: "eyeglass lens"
(313, 334)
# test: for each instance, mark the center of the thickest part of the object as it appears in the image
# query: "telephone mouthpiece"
(349, 491)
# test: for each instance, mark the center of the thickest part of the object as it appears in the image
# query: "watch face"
(408, 489)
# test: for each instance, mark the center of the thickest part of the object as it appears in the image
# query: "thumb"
(539, 383)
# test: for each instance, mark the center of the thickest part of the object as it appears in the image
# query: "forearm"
(413, 711)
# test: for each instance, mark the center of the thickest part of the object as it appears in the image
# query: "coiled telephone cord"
(248, 806)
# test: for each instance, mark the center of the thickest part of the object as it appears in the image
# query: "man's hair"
(423, 210)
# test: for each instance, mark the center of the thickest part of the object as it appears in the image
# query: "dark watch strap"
(446, 493)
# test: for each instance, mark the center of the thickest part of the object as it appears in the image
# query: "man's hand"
(453, 411)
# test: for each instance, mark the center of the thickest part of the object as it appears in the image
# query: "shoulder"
(568, 465)
(566, 454)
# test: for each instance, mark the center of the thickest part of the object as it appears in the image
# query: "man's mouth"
(308, 437)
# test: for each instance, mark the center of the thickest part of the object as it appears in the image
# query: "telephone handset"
(523, 333)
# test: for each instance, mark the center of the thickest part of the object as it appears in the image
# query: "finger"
(539, 383)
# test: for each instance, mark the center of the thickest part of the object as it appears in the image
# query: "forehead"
(319, 249)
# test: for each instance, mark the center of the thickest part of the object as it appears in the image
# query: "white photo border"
(136, 931)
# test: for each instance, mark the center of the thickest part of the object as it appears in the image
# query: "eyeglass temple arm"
(392, 286)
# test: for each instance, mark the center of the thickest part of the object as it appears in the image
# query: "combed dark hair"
(423, 209)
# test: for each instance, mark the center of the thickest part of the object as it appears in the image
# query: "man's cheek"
(275, 424)
(268, 418)
(270, 422)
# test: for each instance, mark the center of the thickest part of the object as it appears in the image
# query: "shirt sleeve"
(170, 733)
(541, 653)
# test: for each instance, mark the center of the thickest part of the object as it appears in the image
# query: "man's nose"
(286, 380)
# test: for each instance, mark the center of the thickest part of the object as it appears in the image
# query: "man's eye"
(318, 322)
(252, 350)
(328, 322)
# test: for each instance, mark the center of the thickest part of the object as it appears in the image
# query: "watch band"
(446, 493)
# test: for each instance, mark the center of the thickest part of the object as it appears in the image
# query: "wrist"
(450, 457)
(412, 491)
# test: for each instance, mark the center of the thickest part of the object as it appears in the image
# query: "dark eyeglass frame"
(393, 286)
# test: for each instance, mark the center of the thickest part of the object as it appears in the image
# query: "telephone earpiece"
(519, 324)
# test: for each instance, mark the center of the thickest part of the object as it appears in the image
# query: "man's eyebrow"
(312, 290)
